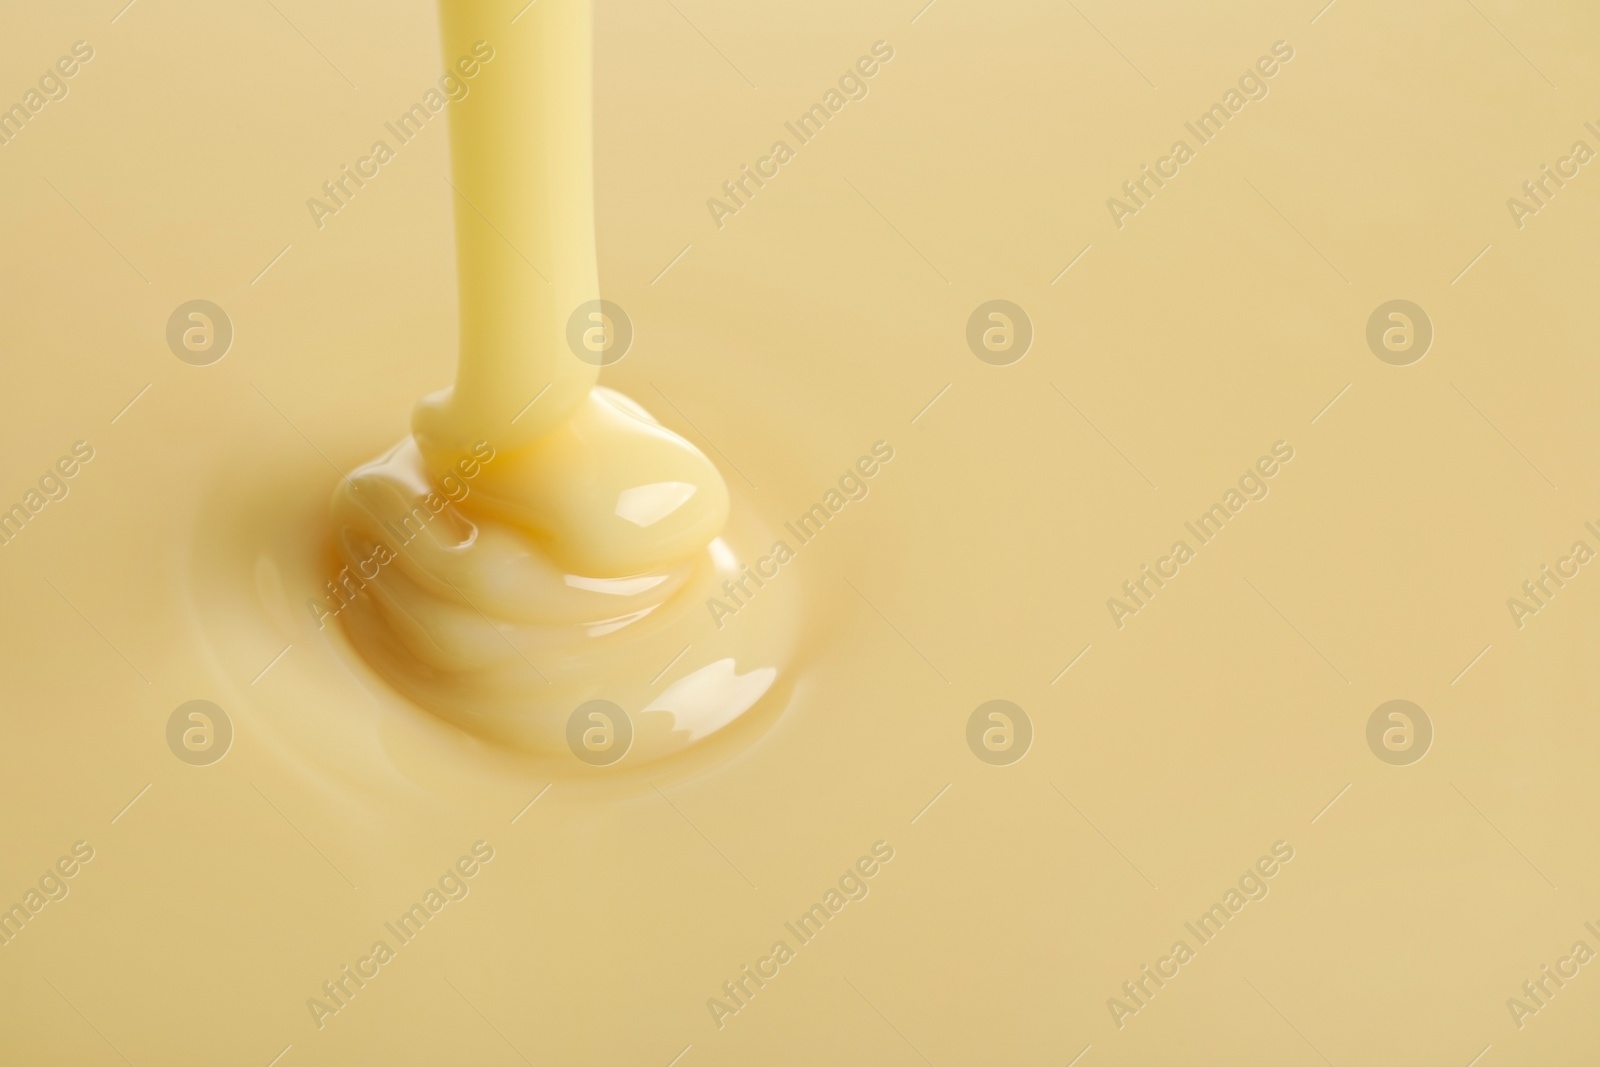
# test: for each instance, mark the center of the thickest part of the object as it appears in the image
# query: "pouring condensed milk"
(539, 542)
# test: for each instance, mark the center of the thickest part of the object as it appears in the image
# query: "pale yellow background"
(821, 318)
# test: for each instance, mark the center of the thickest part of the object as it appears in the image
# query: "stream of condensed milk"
(538, 541)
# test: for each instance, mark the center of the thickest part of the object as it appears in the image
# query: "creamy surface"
(539, 542)
(1169, 757)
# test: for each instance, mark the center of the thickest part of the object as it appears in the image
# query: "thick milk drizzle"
(538, 541)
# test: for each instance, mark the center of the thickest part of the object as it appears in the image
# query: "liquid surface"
(1229, 713)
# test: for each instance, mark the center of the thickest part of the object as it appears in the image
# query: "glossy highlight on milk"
(538, 541)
